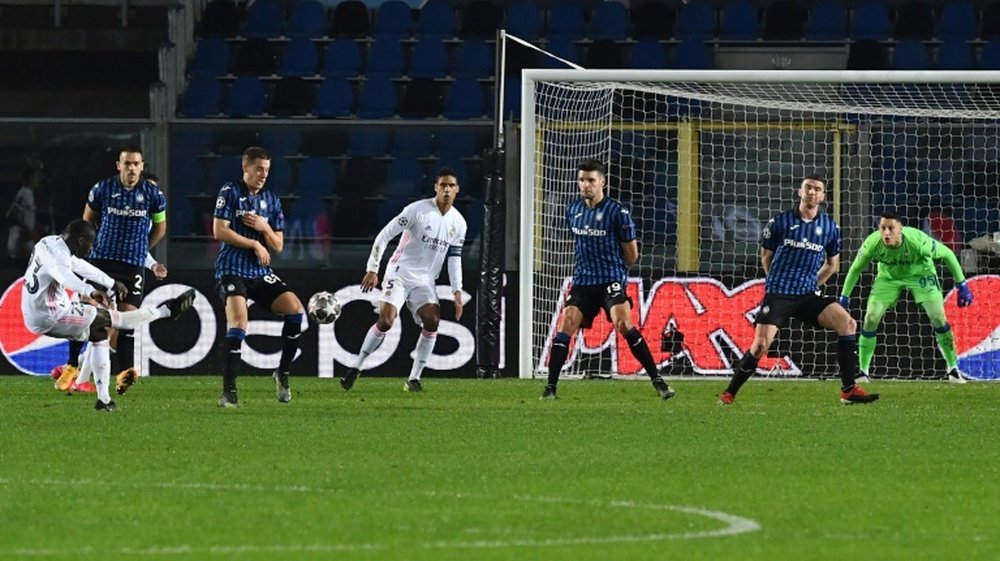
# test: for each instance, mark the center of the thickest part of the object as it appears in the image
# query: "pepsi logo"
(29, 352)
(977, 328)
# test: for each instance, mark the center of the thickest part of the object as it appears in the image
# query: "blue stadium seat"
(696, 20)
(351, 19)
(334, 98)
(473, 214)
(935, 178)
(370, 142)
(385, 58)
(203, 96)
(474, 59)
(292, 97)
(827, 21)
(412, 142)
(265, 19)
(393, 20)
(221, 18)
(464, 100)
(212, 56)
(246, 97)
(981, 217)
(429, 60)
(648, 54)
(740, 21)
(421, 99)
(479, 19)
(870, 21)
(914, 20)
(909, 55)
(989, 56)
(437, 20)
(342, 59)
(403, 178)
(784, 20)
(280, 141)
(377, 99)
(390, 209)
(955, 54)
(223, 170)
(512, 99)
(453, 144)
(957, 20)
(566, 21)
(316, 178)
(308, 19)
(653, 19)
(525, 20)
(299, 58)
(189, 142)
(692, 54)
(562, 47)
(611, 22)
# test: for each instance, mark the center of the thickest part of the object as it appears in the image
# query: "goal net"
(704, 159)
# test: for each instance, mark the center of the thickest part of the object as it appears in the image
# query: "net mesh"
(703, 166)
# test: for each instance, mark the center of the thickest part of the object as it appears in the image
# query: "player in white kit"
(432, 230)
(56, 265)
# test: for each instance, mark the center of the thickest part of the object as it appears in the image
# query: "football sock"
(373, 340)
(425, 345)
(640, 350)
(232, 356)
(126, 349)
(85, 368)
(290, 332)
(135, 318)
(100, 363)
(847, 359)
(557, 356)
(744, 369)
(866, 348)
(75, 348)
(946, 342)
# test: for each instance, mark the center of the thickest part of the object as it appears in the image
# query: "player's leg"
(934, 307)
(620, 312)
(429, 314)
(883, 296)
(233, 291)
(828, 313)
(393, 296)
(288, 306)
(134, 278)
(100, 360)
(82, 382)
(581, 307)
(764, 334)
(66, 374)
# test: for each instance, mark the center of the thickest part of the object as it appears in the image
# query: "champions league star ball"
(323, 308)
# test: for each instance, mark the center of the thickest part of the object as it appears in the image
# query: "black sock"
(126, 349)
(744, 369)
(557, 356)
(640, 350)
(290, 332)
(75, 348)
(847, 358)
(232, 357)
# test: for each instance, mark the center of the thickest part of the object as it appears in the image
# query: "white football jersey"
(51, 270)
(428, 238)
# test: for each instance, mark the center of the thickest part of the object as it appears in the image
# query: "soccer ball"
(323, 308)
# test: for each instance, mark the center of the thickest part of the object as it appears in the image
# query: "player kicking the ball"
(432, 230)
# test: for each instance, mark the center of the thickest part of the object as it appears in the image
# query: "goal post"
(704, 158)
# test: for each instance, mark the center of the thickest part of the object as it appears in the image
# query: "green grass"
(475, 469)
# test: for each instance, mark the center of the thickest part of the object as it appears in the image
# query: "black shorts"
(777, 308)
(132, 276)
(590, 300)
(262, 290)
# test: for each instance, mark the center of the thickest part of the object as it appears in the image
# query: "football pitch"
(481, 469)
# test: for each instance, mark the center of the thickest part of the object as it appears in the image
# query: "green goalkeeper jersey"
(910, 260)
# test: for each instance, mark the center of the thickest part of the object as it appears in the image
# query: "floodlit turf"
(475, 469)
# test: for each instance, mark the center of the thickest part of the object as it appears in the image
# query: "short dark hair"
(443, 172)
(593, 165)
(130, 149)
(815, 178)
(78, 228)
(890, 215)
(255, 153)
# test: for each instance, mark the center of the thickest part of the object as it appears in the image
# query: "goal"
(705, 158)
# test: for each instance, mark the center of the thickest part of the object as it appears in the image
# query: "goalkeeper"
(905, 259)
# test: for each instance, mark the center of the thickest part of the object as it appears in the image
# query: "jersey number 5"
(32, 287)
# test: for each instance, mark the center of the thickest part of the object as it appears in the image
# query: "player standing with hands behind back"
(605, 249)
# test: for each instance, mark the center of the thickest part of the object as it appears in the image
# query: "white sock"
(136, 318)
(84, 374)
(373, 340)
(100, 362)
(425, 345)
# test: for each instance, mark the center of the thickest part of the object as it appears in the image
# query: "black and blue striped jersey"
(126, 217)
(800, 247)
(599, 232)
(233, 202)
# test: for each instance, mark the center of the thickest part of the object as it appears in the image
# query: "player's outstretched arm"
(630, 252)
(830, 267)
(864, 257)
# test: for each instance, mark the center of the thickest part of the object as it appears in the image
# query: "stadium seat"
(437, 20)
(223, 170)
(246, 97)
(256, 57)
(464, 100)
(563, 48)
(512, 99)
(648, 54)
(566, 21)
(203, 96)
(991, 21)
(474, 59)
(334, 98)
(363, 177)
(316, 178)
(611, 22)
(421, 99)
(221, 18)
(870, 21)
(265, 19)
(354, 220)
(955, 54)
(696, 20)
(957, 20)
(393, 20)
(377, 99)
(653, 20)
(473, 214)
(604, 54)
(403, 179)
(866, 55)
(212, 56)
(412, 142)
(385, 58)
(342, 59)
(784, 20)
(525, 20)
(827, 21)
(323, 141)
(909, 55)
(351, 19)
(914, 20)
(740, 21)
(280, 141)
(390, 209)
(429, 60)
(368, 142)
(279, 178)
(299, 58)
(479, 19)
(308, 19)
(292, 97)
(692, 54)
(453, 144)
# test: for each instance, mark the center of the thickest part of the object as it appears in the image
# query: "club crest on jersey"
(819, 231)
(451, 232)
(600, 216)
(263, 204)
(139, 198)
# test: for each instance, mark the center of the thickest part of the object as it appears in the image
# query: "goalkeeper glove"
(844, 300)
(964, 295)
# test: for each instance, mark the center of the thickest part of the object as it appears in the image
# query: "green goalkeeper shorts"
(923, 288)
